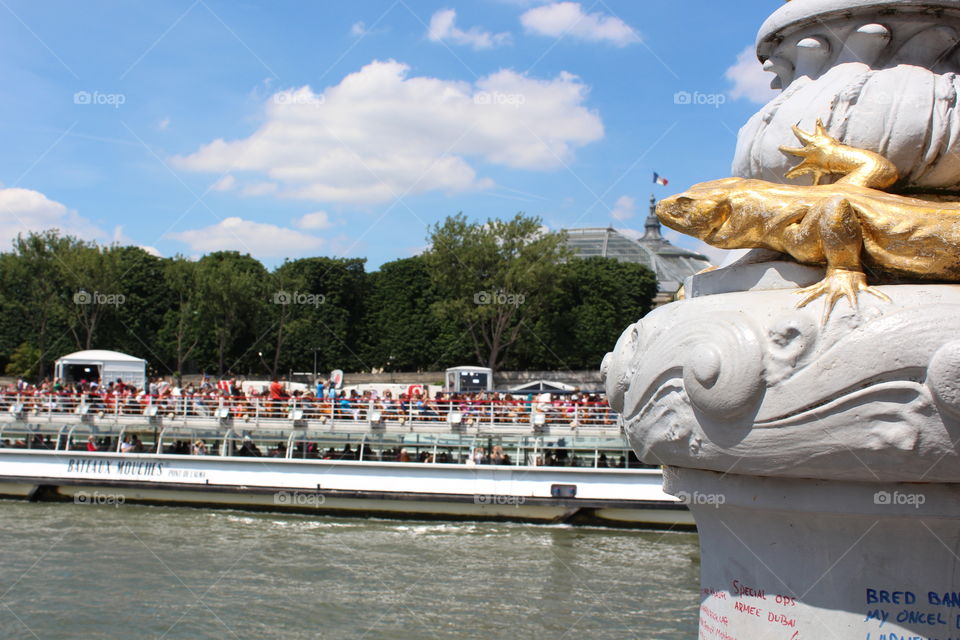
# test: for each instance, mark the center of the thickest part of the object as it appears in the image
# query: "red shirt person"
(277, 392)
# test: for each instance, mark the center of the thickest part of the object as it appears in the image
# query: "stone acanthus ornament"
(881, 74)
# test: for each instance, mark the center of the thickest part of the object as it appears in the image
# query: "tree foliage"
(494, 278)
(403, 331)
(499, 293)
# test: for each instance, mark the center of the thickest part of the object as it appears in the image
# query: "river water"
(78, 571)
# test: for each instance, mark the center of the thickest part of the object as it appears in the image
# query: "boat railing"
(361, 414)
(279, 441)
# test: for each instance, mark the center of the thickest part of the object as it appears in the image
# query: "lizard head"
(701, 210)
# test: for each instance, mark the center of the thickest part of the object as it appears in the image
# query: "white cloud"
(624, 208)
(358, 29)
(226, 183)
(259, 189)
(163, 124)
(122, 239)
(749, 79)
(119, 237)
(568, 19)
(317, 220)
(380, 134)
(25, 210)
(257, 238)
(443, 27)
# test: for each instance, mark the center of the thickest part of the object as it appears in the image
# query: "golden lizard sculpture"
(845, 226)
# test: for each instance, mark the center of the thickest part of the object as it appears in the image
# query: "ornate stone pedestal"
(819, 459)
(819, 451)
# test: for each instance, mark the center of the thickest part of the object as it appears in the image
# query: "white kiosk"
(468, 379)
(102, 365)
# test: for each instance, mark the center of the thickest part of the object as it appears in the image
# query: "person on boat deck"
(249, 449)
(91, 444)
(199, 448)
(126, 446)
(478, 457)
(277, 394)
(277, 390)
(404, 456)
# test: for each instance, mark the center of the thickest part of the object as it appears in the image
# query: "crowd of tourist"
(238, 399)
(242, 400)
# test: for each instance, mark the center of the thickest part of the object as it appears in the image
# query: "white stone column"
(796, 558)
(821, 460)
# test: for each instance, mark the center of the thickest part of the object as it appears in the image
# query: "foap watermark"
(697, 98)
(99, 499)
(299, 297)
(100, 99)
(514, 100)
(492, 498)
(301, 97)
(897, 498)
(299, 499)
(499, 297)
(112, 299)
(697, 498)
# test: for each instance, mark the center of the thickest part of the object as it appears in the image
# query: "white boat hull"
(612, 497)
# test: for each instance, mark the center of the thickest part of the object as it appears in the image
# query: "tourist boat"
(518, 461)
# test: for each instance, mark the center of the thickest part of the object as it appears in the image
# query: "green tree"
(231, 299)
(135, 325)
(181, 328)
(24, 361)
(94, 277)
(403, 333)
(494, 278)
(601, 297)
(320, 313)
(35, 290)
(289, 301)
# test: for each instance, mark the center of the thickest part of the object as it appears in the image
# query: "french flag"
(659, 179)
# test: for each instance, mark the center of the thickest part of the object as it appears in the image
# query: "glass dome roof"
(671, 264)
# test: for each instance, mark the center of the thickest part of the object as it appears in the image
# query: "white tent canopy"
(543, 385)
(102, 365)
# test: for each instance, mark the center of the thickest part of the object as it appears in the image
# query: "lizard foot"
(817, 153)
(839, 283)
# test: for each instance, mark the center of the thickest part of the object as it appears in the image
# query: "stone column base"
(792, 558)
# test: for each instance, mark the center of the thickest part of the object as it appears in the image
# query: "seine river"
(74, 571)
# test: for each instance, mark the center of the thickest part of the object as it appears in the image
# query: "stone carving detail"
(882, 78)
(745, 381)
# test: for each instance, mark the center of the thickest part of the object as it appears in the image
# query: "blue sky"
(295, 128)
